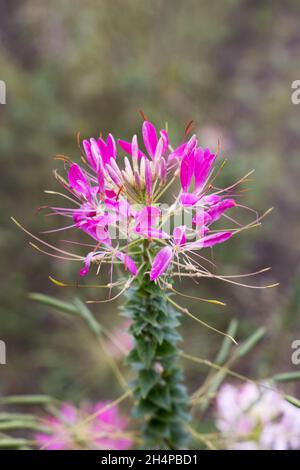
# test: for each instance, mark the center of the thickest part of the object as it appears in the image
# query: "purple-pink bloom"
(99, 150)
(90, 427)
(120, 201)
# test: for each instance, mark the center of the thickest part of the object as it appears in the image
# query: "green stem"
(160, 398)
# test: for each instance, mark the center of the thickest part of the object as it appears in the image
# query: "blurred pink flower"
(121, 342)
(257, 417)
(79, 429)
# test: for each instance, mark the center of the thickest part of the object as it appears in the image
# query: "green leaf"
(146, 350)
(158, 334)
(147, 380)
(179, 394)
(143, 408)
(166, 349)
(172, 417)
(15, 425)
(161, 397)
(87, 315)
(17, 416)
(247, 345)
(173, 336)
(286, 377)
(133, 358)
(11, 443)
(137, 327)
(155, 427)
(149, 316)
(77, 308)
(54, 303)
(227, 343)
(26, 400)
(294, 401)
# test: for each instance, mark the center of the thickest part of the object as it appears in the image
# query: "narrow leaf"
(286, 377)
(247, 345)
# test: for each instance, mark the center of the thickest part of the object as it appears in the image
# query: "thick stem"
(161, 399)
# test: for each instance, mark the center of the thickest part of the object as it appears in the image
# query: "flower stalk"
(160, 398)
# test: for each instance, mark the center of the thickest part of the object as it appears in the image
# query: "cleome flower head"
(88, 428)
(147, 198)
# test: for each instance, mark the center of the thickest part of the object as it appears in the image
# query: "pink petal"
(216, 211)
(103, 150)
(134, 147)
(128, 262)
(101, 178)
(87, 264)
(148, 179)
(191, 145)
(101, 230)
(187, 170)
(179, 235)
(150, 137)
(165, 138)
(68, 413)
(210, 240)
(202, 217)
(89, 154)
(187, 199)
(161, 262)
(111, 146)
(177, 153)
(211, 199)
(108, 416)
(78, 181)
(126, 146)
(163, 170)
(203, 164)
(148, 217)
(96, 153)
(159, 149)
(49, 442)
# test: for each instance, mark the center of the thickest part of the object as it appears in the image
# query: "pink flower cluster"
(119, 200)
(87, 428)
(257, 417)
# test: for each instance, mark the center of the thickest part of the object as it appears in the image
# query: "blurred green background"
(89, 66)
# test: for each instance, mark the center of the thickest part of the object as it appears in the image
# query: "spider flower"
(257, 417)
(86, 428)
(119, 196)
(152, 209)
